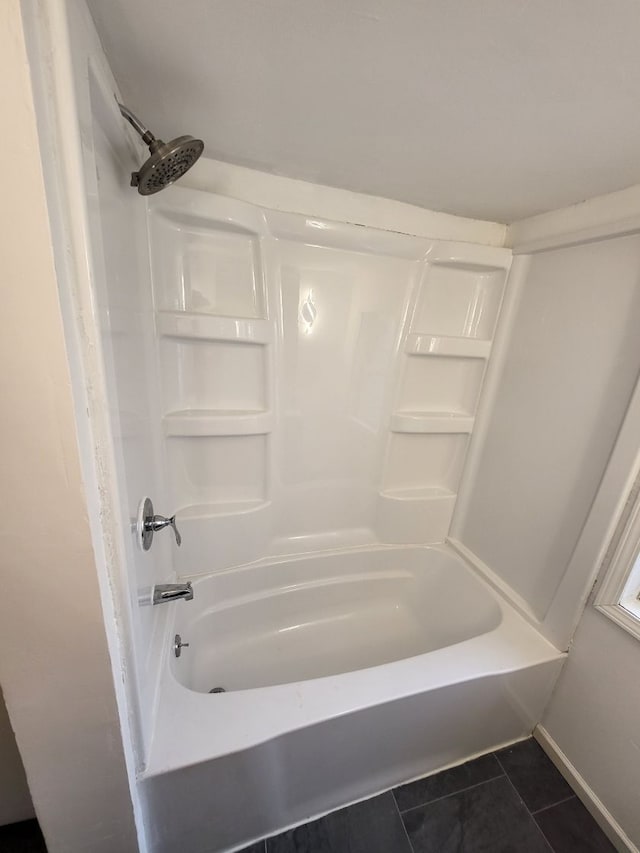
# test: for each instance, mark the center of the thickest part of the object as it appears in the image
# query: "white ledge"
(422, 344)
(183, 324)
(444, 423)
(420, 493)
(199, 422)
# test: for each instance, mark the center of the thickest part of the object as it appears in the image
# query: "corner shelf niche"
(443, 385)
(446, 350)
(461, 294)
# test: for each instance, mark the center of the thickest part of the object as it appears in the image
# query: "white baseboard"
(585, 793)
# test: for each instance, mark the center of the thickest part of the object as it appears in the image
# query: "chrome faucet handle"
(149, 523)
(159, 522)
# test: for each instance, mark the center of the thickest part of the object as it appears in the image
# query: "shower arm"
(147, 137)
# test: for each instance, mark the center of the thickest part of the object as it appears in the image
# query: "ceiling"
(496, 109)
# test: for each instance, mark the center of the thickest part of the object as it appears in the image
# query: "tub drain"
(217, 690)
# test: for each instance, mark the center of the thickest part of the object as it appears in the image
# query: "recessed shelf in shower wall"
(418, 516)
(460, 296)
(446, 348)
(439, 345)
(214, 376)
(217, 469)
(446, 423)
(215, 364)
(447, 385)
(205, 260)
(198, 422)
(424, 461)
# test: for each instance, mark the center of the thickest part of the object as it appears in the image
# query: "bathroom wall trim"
(586, 794)
(294, 196)
(613, 215)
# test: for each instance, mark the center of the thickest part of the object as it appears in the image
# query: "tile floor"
(23, 837)
(512, 801)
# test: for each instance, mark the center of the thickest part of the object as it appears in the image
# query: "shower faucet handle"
(149, 523)
(159, 522)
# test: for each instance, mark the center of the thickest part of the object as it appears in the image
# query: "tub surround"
(319, 380)
(318, 385)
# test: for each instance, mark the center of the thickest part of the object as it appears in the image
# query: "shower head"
(168, 161)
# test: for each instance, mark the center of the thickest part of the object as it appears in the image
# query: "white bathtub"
(345, 674)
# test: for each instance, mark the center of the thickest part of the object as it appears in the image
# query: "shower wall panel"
(319, 379)
(567, 372)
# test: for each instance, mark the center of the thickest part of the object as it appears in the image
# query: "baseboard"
(585, 793)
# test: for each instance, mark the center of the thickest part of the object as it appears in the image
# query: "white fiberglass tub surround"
(318, 380)
(319, 384)
(346, 673)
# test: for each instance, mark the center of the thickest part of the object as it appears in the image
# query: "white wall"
(592, 718)
(55, 668)
(568, 369)
(593, 715)
(15, 799)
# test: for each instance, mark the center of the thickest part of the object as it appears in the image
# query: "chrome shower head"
(168, 161)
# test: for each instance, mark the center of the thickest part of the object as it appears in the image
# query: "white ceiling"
(496, 109)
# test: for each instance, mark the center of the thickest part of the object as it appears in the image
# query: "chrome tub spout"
(172, 592)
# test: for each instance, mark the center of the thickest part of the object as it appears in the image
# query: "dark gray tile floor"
(23, 837)
(512, 801)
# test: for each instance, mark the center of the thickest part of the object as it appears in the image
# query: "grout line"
(452, 794)
(406, 834)
(535, 822)
(495, 755)
(553, 805)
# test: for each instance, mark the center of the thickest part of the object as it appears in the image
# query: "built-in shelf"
(219, 510)
(431, 422)
(439, 345)
(199, 422)
(422, 493)
(420, 515)
(183, 324)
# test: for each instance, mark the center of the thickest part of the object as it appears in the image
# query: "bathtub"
(344, 674)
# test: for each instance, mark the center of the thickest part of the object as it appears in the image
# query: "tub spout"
(172, 592)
